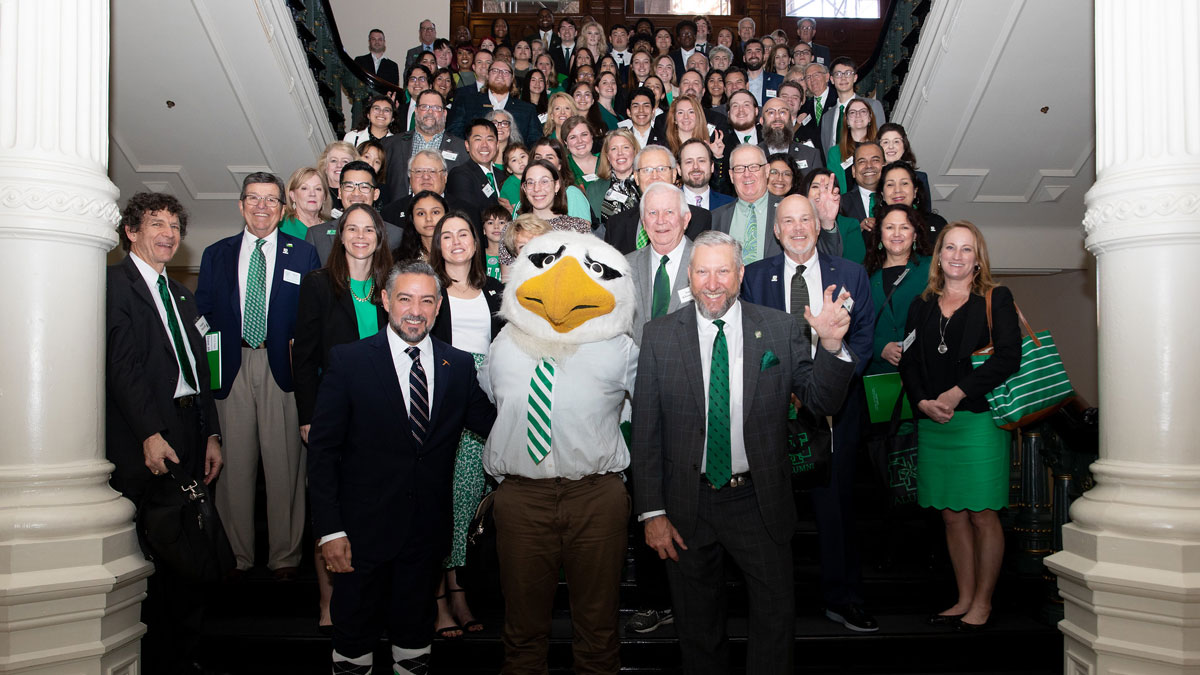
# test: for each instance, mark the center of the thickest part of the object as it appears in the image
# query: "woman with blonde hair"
(615, 191)
(593, 38)
(336, 155)
(307, 202)
(664, 68)
(560, 107)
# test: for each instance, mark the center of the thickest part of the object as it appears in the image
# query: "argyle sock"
(358, 665)
(411, 661)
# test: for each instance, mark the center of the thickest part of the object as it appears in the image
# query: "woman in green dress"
(962, 456)
(307, 202)
(607, 89)
(578, 137)
(897, 261)
(468, 320)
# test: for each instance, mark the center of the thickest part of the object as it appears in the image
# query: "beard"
(714, 314)
(780, 137)
(499, 90)
(753, 64)
(409, 334)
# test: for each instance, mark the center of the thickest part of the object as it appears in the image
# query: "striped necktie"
(800, 301)
(718, 463)
(750, 250)
(185, 365)
(817, 109)
(418, 405)
(254, 322)
(541, 400)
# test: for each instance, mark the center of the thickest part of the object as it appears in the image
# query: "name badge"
(589, 177)
(618, 197)
(821, 60)
(542, 118)
(449, 156)
(770, 93)
(711, 129)
(685, 295)
(202, 325)
(488, 191)
(331, 232)
(908, 341)
(846, 164)
(803, 164)
(291, 276)
(805, 119)
(623, 124)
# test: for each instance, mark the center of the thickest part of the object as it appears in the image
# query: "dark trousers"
(833, 508)
(578, 525)
(728, 520)
(650, 571)
(395, 594)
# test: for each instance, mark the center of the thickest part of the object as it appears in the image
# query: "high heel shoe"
(964, 627)
(944, 619)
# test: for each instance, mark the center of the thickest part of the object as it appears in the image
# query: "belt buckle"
(738, 480)
(185, 401)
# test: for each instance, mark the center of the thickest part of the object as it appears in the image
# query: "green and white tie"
(254, 321)
(750, 246)
(642, 237)
(817, 109)
(541, 400)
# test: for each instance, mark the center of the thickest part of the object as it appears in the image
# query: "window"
(685, 7)
(839, 9)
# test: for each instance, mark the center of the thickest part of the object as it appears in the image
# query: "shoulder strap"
(888, 300)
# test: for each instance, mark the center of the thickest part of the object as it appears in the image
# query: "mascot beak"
(565, 296)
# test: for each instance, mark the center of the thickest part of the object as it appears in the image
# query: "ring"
(329, 568)
(154, 471)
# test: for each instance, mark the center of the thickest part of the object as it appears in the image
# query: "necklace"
(942, 348)
(370, 285)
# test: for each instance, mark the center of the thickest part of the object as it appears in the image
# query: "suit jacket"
(821, 54)
(141, 376)
(399, 149)
(411, 55)
(765, 280)
(722, 219)
(367, 476)
(643, 284)
(479, 104)
(891, 306)
(561, 63)
(669, 412)
(829, 121)
(465, 190)
(388, 70)
(621, 230)
(805, 155)
(771, 82)
(852, 205)
(325, 318)
(321, 237)
(718, 199)
(218, 299)
(493, 293)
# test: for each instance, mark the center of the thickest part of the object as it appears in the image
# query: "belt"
(189, 401)
(736, 480)
(247, 345)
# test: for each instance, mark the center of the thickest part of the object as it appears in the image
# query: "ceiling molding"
(189, 186)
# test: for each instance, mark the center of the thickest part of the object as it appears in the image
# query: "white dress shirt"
(752, 132)
(377, 59)
(691, 197)
(151, 278)
(497, 103)
(812, 280)
(733, 339)
(622, 58)
(590, 388)
(269, 249)
(865, 196)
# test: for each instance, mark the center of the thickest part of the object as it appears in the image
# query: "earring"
(881, 246)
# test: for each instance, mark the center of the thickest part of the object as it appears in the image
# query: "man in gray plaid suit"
(710, 466)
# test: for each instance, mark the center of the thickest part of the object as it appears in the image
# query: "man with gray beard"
(778, 136)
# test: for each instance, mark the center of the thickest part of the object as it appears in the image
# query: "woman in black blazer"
(338, 303)
(468, 320)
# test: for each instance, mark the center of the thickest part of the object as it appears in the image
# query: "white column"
(1130, 571)
(71, 575)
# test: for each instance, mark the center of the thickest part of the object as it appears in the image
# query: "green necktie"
(871, 206)
(750, 250)
(746, 138)
(254, 322)
(817, 109)
(492, 181)
(841, 124)
(718, 466)
(662, 290)
(541, 399)
(176, 334)
(642, 237)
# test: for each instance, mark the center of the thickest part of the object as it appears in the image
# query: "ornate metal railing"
(881, 76)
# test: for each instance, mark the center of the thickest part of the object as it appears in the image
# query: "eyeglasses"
(502, 123)
(777, 112)
(857, 113)
(531, 183)
(426, 172)
(255, 200)
(752, 168)
(380, 109)
(425, 107)
(358, 187)
(843, 74)
(500, 71)
(815, 76)
(660, 170)
(775, 173)
(419, 79)
(802, 51)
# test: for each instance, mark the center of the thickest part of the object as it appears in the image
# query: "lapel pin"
(445, 362)
(774, 278)
(758, 334)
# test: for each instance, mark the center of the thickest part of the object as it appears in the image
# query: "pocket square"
(769, 359)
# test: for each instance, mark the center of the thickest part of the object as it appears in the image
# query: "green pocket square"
(769, 359)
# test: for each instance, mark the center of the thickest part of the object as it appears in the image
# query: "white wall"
(398, 19)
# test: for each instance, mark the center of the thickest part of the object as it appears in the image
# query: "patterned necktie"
(541, 400)
(176, 334)
(817, 109)
(491, 176)
(750, 250)
(418, 401)
(800, 301)
(699, 199)
(871, 206)
(254, 321)
(662, 290)
(642, 237)
(718, 466)
(840, 127)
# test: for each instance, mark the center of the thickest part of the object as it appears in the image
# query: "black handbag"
(810, 447)
(180, 530)
(482, 566)
(893, 453)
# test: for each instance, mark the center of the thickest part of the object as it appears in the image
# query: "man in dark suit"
(159, 404)
(749, 218)
(500, 94)
(696, 172)
(248, 290)
(653, 164)
(358, 186)
(821, 104)
(710, 453)
(426, 171)
(427, 34)
(475, 185)
(618, 48)
(777, 136)
(545, 31)
(430, 132)
(374, 62)
(806, 31)
(565, 47)
(685, 37)
(381, 481)
(481, 63)
(794, 281)
(858, 201)
(641, 119)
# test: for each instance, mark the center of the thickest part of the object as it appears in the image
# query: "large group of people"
(749, 185)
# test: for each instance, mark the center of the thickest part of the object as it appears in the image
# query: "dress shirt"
(691, 196)
(568, 50)
(377, 59)
(403, 363)
(673, 258)
(755, 85)
(151, 277)
(585, 415)
(642, 139)
(733, 339)
(812, 279)
(269, 249)
(820, 102)
(497, 103)
(865, 196)
(687, 54)
(752, 132)
(546, 36)
(419, 143)
(623, 58)
(741, 215)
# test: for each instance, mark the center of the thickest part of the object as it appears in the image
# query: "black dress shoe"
(964, 627)
(944, 619)
(853, 617)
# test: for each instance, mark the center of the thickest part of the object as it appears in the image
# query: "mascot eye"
(603, 271)
(543, 260)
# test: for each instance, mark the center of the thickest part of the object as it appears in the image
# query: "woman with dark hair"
(894, 140)
(522, 60)
(443, 83)
(821, 184)
(897, 261)
(962, 456)
(500, 34)
(655, 84)
(607, 90)
(578, 136)
(544, 194)
(898, 185)
(338, 303)
(714, 90)
(429, 60)
(663, 41)
(860, 128)
(779, 61)
(427, 209)
(534, 92)
(784, 177)
(640, 67)
(417, 79)
(584, 95)
(468, 320)
(377, 121)
(553, 151)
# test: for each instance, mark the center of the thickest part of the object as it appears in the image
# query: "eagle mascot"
(559, 373)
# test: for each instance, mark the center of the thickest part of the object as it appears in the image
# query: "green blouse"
(854, 246)
(292, 225)
(364, 310)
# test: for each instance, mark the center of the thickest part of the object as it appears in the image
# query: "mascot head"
(567, 288)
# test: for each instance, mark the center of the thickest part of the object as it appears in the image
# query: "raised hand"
(833, 322)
